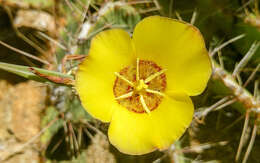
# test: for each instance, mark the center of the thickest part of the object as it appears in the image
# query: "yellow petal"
(135, 133)
(177, 47)
(110, 51)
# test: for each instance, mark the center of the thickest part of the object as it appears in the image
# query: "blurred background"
(42, 120)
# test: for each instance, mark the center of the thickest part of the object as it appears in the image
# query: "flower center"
(140, 87)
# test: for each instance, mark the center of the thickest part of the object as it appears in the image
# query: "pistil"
(141, 85)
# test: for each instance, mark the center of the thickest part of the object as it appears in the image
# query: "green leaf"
(25, 72)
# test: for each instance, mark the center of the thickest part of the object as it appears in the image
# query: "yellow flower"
(141, 85)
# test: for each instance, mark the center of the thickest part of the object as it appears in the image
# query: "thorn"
(56, 145)
(225, 44)
(251, 143)
(178, 15)
(225, 104)
(76, 145)
(232, 124)
(201, 147)
(212, 107)
(92, 127)
(194, 16)
(240, 83)
(80, 135)
(220, 59)
(252, 75)
(70, 139)
(244, 6)
(66, 131)
(89, 134)
(256, 95)
(246, 58)
(242, 138)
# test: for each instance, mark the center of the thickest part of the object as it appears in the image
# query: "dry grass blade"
(73, 8)
(52, 40)
(22, 36)
(84, 6)
(24, 53)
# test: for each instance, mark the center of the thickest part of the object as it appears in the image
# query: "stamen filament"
(129, 94)
(137, 69)
(123, 78)
(154, 76)
(155, 92)
(144, 104)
